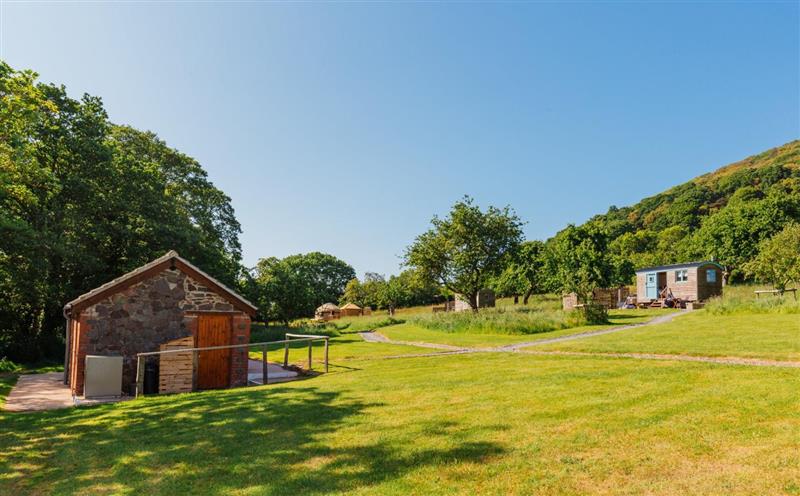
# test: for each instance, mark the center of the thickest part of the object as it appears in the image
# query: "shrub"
(501, 320)
(595, 314)
(7, 365)
(727, 305)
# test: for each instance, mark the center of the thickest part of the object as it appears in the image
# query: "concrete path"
(375, 337)
(35, 392)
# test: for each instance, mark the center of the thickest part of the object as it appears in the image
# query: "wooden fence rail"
(290, 338)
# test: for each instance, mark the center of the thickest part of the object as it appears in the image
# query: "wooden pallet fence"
(176, 370)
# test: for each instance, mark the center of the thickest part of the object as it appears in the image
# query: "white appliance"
(103, 376)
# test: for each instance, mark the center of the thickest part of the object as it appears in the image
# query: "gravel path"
(658, 320)
(752, 362)
(376, 337)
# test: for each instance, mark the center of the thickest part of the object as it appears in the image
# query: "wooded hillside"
(722, 215)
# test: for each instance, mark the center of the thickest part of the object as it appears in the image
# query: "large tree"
(83, 201)
(581, 262)
(778, 259)
(524, 275)
(295, 286)
(732, 236)
(463, 251)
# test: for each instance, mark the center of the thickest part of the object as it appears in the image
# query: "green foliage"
(732, 236)
(83, 201)
(741, 299)
(580, 260)
(525, 274)
(778, 259)
(7, 366)
(465, 250)
(500, 320)
(293, 287)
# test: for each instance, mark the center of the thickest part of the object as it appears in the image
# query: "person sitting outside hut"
(669, 299)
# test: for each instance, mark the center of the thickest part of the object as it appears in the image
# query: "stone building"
(160, 302)
(486, 299)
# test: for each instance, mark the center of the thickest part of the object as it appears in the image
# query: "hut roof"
(170, 260)
(351, 306)
(327, 307)
(678, 266)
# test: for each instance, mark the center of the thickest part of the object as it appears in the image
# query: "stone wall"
(201, 298)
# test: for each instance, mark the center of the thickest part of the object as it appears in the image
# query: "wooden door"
(214, 367)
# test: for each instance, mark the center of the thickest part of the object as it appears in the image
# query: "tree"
(778, 259)
(295, 286)
(523, 276)
(354, 292)
(390, 295)
(582, 262)
(415, 289)
(732, 236)
(465, 250)
(83, 201)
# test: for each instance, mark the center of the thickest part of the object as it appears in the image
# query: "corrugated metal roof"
(686, 265)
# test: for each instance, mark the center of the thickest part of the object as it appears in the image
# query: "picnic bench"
(776, 292)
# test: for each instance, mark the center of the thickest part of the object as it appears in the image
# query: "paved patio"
(275, 373)
(35, 392)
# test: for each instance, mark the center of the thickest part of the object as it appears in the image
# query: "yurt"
(327, 311)
(351, 310)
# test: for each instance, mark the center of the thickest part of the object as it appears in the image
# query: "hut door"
(651, 291)
(214, 367)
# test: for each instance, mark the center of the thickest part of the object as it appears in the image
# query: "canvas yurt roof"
(327, 307)
(351, 306)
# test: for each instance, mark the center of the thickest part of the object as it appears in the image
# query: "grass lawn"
(412, 332)
(459, 424)
(770, 335)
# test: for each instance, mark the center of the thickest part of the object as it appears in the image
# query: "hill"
(722, 215)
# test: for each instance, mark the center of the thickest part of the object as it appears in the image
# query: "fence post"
(264, 366)
(286, 354)
(326, 355)
(139, 376)
(310, 344)
(195, 366)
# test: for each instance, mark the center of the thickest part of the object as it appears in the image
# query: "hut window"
(681, 275)
(711, 275)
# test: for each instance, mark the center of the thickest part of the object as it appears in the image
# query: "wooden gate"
(214, 367)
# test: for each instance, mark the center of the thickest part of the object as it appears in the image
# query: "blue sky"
(343, 127)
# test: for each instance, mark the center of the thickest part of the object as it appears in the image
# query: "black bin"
(151, 377)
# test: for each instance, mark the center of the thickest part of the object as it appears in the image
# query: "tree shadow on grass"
(273, 440)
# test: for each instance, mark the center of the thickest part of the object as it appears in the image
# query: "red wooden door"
(214, 367)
